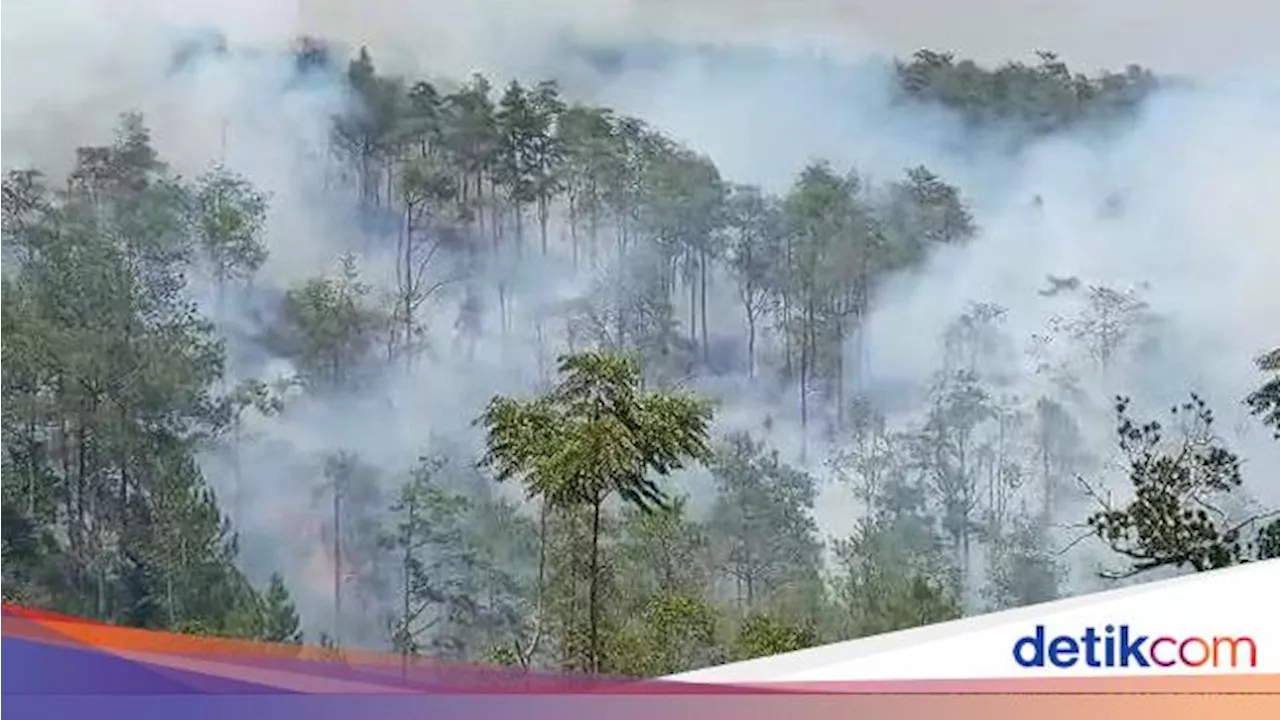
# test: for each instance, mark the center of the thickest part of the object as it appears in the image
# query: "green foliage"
(754, 253)
(502, 655)
(1022, 572)
(597, 433)
(673, 633)
(460, 589)
(280, 622)
(1174, 518)
(891, 573)
(231, 218)
(923, 210)
(663, 551)
(116, 383)
(945, 450)
(763, 532)
(1040, 98)
(331, 327)
(30, 560)
(761, 635)
(110, 392)
(1265, 401)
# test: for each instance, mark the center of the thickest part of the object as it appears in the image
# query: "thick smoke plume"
(1197, 174)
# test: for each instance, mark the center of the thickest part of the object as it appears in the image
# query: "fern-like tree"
(597, 434)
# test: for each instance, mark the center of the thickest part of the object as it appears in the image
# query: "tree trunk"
(702, 291)
(543, 213)
(391, 181)
(859, 349)
(237, 472)
(1046, 508)
(68, 490)
(693, 308)
(788, 269)
(408, 557)
(593, 238)
(805, 361)
(337, 563)
(407, 290)
(573, 230)
(86, 541)
(519, 213)
(168, 593)
(525, 656)
(33, 462)
(502, 308)
(475, 201)
(594, 586)
(840, 384)
(999, 470)
(537, 332)
(495, 215)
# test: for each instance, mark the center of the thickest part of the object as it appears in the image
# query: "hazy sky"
(1181, 36)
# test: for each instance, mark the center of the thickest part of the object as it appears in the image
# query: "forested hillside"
(568, 397)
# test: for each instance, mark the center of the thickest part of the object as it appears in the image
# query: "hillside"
(275, 397)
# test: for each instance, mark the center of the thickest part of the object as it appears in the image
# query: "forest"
(665, 371)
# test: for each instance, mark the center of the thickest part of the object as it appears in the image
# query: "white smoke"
(1199, 171)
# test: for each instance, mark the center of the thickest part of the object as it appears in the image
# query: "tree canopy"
(709, 470)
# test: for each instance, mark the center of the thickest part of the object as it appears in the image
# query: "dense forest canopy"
(570, 397)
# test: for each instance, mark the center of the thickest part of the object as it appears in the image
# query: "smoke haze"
(762, 88)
